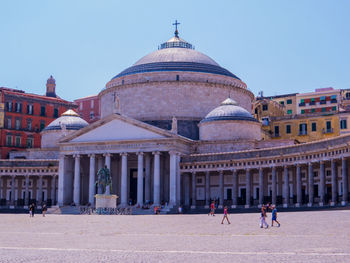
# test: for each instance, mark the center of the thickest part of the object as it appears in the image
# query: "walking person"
(225, 216)
(274, 216)
(212, 209)
(32, 208)
(263, 217)
(44, 208)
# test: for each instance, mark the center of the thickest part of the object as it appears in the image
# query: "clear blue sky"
(275, 46)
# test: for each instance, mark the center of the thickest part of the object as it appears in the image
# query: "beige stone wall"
(230, 130)
(50, 138)
(162, 99)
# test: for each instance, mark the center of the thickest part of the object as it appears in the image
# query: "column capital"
(343, 158)
(107, 154)
(322, 162)
(76, 155)
(193, 172)
(92, 155)
(173, 152)
(261, 169)
(247, 170)
(123, 154)
(234, 171)
(140, 153)
(156, 153)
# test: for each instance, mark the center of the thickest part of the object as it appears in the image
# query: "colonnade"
(144, 183)
(287, 177)
(32, 189)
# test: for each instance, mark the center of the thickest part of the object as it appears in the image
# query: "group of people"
(263, 215)
(32, 208)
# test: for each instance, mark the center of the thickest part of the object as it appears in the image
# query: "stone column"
(12, 201)
(221, 186)
(311, 185)
(124, 180)
(61, 172)
(207, 189)
(26, 201)
(345, 181)
(172, 181)
(234, 189)
(261, 187)
(286, 187)
(193, 205)
(108, 160)
(273, 186)
(334, 182)
(299, 196)
(156, 179)
(248, 186)
(92, 180)
(40, 191)
(147, 177)
(140, 178)
(76, 190)
(178, 180)
(53, 190)
(322, 183)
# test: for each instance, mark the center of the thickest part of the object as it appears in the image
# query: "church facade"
(176, 128)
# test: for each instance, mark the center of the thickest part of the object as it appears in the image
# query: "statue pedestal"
(106, 201)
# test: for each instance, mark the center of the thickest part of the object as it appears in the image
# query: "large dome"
(176, 55)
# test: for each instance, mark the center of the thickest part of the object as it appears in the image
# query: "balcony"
(312, 103)
(323, 102)
(325, 131)
(334, 101)
(302, 104)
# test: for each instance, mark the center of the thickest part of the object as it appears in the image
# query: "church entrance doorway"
(133, 187)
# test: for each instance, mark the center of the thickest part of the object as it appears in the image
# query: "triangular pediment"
(117, 128)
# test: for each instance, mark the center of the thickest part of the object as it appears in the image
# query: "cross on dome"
(176, 32)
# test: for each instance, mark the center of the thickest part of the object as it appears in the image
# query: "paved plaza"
(322, 236)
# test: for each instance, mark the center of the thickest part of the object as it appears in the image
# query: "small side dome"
(229, 122)
(69, 120)
(229, 110)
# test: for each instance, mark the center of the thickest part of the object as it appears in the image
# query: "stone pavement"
(321, 236)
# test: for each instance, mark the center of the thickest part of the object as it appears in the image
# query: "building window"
(289, 111)
(334, 108)
(81, 106)
(42, 125)
(302, 111)
(312, 101)
(92, 115)
(343, 124)
(92, 104)
(9, 123)
(177, 77)
(29, 142)
(17, 124)
(313, 126)
(42, 111)
(303, 129)
(30, 109)
(323, 100)
(29, 124)
(289, 101)
(265, 107)
(334, 99)
(328, 126)
(288, 129)
(313, 110)
(324, 109)
(277, 131)
(55, 113)
(282, 102)
(8, 140)
(347, 95)
(9, 106)
(18, 107)
(18, 141)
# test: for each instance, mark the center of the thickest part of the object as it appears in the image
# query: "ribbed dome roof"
(176, 55)
(229, 110)
(69, 119)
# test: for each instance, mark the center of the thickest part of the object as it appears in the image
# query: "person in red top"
(212, 208)
(225, 215)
